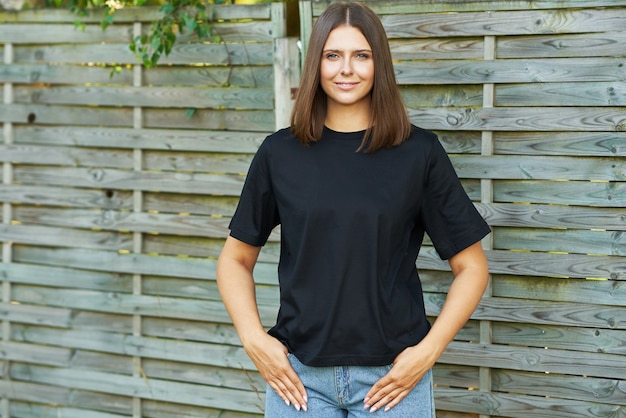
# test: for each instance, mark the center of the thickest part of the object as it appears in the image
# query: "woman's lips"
(345, 85)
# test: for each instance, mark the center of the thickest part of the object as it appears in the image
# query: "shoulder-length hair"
(389, 124)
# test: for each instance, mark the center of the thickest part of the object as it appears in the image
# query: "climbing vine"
(176, 17)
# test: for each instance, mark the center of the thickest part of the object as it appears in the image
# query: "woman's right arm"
(236, 286)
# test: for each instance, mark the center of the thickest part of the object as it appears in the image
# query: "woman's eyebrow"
(341, 50)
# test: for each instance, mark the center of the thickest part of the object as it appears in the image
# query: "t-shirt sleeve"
(450, 218)
(256, 214)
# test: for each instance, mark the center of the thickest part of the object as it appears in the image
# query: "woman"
(354, 187)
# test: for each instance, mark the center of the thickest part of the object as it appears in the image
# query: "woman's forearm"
(235, 283)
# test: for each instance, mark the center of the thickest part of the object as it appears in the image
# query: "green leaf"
(190, 112)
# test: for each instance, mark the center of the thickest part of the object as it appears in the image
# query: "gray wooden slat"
(539, 264)
(522, 119)
(167, 97)
(151, 389)
(184, 225)
(146, 139)
(604, 292)
(36, 33)
(49, 236)
(133, 14)
(207, 76)
(503, 22)
(65, 196)
(599, 144)
(595, 242)
(65, 277)
(606, 44)
(535, 359)
(437, 48)
(552, 216)
(236, 120)
(518, 405)
(411, 6)
(118, 53)
(562, 94)
(593, 340)
(584, 193)
(540, 168)
(177, 182)
(609, 391)
(33, 154)
(552, 70)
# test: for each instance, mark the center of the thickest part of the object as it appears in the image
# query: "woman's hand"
(408, 369)
(236, 285)
(270, 357)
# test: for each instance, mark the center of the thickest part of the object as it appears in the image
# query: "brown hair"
(389, 124)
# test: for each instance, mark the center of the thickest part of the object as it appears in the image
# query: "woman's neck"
(347, 119)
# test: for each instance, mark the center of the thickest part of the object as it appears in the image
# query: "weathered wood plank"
(442, 95)
(155, 389)
(518, 405)
(540, 264)
(156, 409)
(594, 242)
(181, 329)
(185, 225)
(118, 53)
(552, 70)
(535, 359)
(65, 196)
(41, 397)
(146, 139)
(605, 292)
(606, 44)
(49, 236)
(591, 340)
(553, 216)
(539, 312)
(197, 162)
(156, 348)
(42, 33)
(206, 375)
(522, 119)
(55, 411)
(207, 76)
(176, 182)
(437, 48)
(133, 14)
(55, 155)
(34, 354)
(611, 391)
(235, 120)
(65, 277)
(36, 315)
(190, 204)
(170, 97)
(411, 6)
(593, 194)
(598, 144)
(529, 22)
(540, 168)
(562, 94)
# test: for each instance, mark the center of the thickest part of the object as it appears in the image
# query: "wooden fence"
(116, 193)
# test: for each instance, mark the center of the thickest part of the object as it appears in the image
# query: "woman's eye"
(363, 56)
(331, 56)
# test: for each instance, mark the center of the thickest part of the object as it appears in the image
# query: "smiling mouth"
(346, 85)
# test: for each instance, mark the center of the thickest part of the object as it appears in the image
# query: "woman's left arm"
(471, 275)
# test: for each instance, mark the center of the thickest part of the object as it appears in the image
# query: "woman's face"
(347, 69)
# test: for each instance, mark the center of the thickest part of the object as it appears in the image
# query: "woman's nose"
(346, 68)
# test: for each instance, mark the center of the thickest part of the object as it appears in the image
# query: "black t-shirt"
(352, 224)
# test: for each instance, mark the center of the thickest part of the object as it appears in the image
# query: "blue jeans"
(338, 392)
